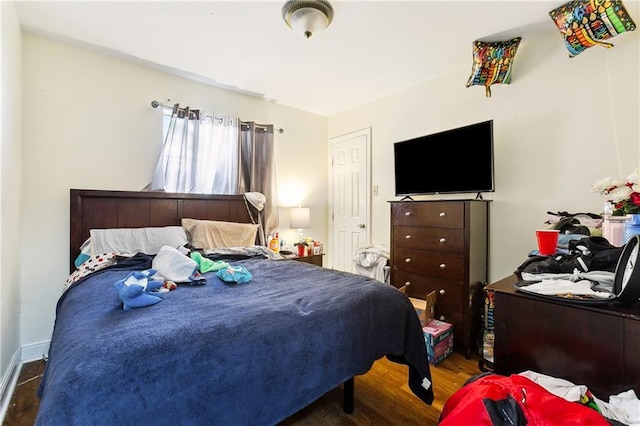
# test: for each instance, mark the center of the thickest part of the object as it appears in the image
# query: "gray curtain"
(258, 170)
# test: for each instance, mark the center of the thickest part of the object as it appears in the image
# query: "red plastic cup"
(547, 241)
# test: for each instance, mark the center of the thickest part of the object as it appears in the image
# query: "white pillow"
(129, 241)
(209, 234)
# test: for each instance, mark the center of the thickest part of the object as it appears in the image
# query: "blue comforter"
(222, 354)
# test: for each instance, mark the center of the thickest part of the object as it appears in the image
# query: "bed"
(218, 353)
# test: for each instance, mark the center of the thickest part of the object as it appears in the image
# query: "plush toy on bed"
(139, 289)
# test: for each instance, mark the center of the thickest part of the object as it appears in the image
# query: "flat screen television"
(458, 160)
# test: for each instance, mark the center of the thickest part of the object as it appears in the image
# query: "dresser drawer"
(443, 240)
(448, 293)
(438, 213)
(438, 265)
(449, 305)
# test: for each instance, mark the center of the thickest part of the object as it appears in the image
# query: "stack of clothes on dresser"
(588, 260)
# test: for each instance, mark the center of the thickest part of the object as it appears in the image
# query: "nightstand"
(315, 259)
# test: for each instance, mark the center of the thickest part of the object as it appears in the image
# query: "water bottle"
(631, 227)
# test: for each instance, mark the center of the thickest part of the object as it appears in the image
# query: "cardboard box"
(436, 331)
(438, 337)
(441, 351)
(424, 308)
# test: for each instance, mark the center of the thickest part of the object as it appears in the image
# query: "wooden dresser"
(442, 246)
(593, 345)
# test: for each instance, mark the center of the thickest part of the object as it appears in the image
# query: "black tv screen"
(458, 160)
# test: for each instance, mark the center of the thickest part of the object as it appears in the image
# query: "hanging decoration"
(492, 63)
(586, 23)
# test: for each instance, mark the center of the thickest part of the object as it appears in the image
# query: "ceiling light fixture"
(307, 16)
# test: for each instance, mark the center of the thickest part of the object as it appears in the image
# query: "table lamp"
(300, 219)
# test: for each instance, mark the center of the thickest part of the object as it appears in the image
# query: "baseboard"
(35, 351)
(8, 384)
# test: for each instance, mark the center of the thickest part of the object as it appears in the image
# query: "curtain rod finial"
(155, 104)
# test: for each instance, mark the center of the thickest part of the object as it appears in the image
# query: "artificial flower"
(623, 196)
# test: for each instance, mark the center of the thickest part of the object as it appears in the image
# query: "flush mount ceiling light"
(307, 16)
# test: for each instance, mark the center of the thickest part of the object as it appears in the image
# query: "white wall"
(10, 184)
(553, 128)
(88, 124)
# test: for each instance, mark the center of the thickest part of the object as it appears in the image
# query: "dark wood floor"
(382, 396)
(23, 406)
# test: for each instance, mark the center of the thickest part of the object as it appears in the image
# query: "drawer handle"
(442, 214)
(442, 266)
(408, 283)
(443, 240)
(442, 318)
(442, 291)
(407, 237)
(407, 213)
(408, 260)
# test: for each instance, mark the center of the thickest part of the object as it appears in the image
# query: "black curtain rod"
(156, 104)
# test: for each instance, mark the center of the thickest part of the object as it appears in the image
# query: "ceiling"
(372, 48)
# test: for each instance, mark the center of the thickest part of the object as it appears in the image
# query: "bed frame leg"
(348, 396)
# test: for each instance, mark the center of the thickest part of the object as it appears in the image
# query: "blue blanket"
(224, 354)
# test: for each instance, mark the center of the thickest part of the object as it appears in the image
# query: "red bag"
(515, 400)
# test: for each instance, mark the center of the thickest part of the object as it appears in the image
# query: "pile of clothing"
(583, 253)
(371, 261)
(587, 269)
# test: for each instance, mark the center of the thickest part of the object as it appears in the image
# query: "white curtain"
(200, 154)
(211, 154)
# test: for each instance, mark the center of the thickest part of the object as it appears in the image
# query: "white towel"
(561, 287)
(604, 278)
(628, 403)
(559, 387)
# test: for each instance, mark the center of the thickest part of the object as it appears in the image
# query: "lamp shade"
(307, 16)
(300, 218)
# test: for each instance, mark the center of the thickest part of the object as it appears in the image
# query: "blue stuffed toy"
(136, 289)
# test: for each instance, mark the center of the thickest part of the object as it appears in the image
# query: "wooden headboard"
(94, 209)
